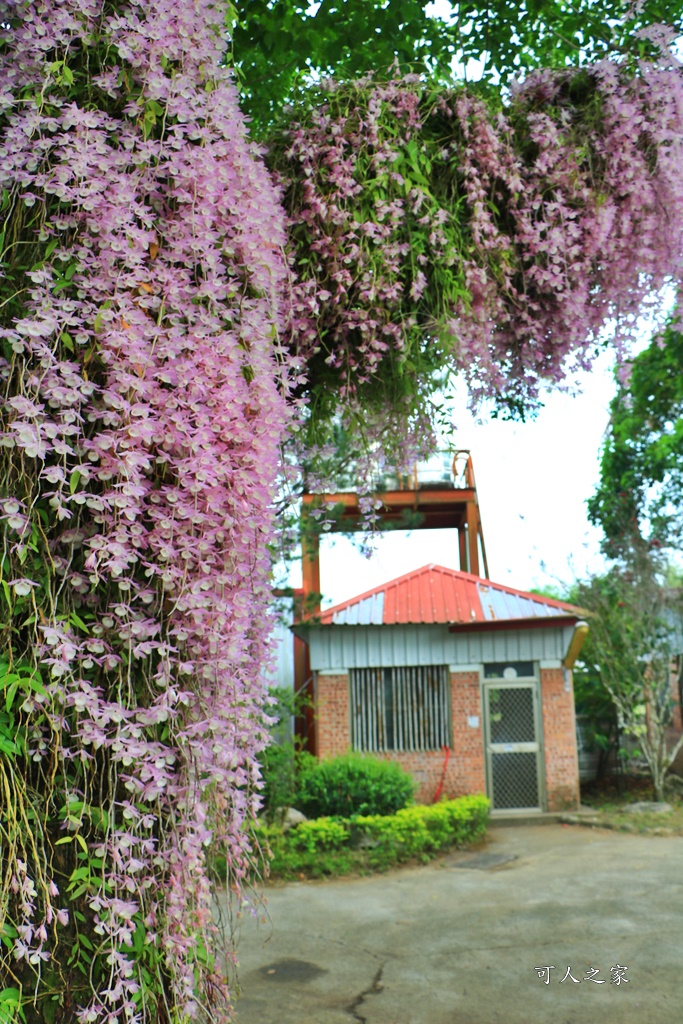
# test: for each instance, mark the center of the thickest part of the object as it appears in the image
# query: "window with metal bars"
(400, 708)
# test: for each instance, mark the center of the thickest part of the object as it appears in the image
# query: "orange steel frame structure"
(437, 506)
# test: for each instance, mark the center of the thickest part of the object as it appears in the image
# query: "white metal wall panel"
(345, 647)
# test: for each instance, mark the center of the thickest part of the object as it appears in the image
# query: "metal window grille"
(400, 708)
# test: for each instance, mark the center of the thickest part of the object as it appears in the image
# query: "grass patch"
(608, 805)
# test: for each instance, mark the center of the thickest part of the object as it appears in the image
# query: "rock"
(363, 841)
(648, 807)
(580, 819)
(291, 817)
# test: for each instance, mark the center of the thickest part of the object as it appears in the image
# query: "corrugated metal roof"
(367, 611)
(434, 594)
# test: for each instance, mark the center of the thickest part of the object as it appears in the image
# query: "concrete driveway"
(457, 942)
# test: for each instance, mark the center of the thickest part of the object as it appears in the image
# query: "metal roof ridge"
(390, 583)
(442, 570)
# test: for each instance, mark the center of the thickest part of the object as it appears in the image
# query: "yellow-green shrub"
(336, 846)
(320, 834)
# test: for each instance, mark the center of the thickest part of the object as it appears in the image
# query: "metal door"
(513, 761)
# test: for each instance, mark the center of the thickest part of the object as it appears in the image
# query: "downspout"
(573, 651)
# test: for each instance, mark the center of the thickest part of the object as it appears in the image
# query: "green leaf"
(78, 874)
(76, 893)
(74, 481)
(10, 1005)
(76, 620)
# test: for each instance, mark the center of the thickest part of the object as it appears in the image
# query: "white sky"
(532, 482)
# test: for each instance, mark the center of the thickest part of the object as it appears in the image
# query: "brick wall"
(559, 742)
(332, 714)
(465, 770)
(468, 740)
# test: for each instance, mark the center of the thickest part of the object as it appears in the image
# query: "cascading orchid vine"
(144, 401)
(431, 232)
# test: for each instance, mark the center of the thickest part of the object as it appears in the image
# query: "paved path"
(457, 942)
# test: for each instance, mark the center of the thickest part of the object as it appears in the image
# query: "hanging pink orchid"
(147, 402)
(429, 233)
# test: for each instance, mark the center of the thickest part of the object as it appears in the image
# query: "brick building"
(465, 682)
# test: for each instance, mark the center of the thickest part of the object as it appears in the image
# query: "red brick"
(559, 742)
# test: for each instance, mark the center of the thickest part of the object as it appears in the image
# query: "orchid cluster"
(430, 232)
(144, 398)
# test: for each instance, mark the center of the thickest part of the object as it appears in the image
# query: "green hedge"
(352, 784)
(337, 846)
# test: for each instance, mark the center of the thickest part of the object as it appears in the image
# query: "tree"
(641, 470)
(280, 45)
(635, 630)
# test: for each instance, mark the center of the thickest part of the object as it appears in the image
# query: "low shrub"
(353, 784)
(375, 842)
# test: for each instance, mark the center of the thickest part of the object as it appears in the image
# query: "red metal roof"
(434, 594)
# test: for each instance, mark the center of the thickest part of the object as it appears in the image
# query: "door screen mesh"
(515, 780)
(511, 715)
(512, 723)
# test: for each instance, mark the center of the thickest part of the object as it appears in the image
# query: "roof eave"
(302, 629)
(497, 624)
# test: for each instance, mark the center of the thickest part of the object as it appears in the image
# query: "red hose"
(439, 788)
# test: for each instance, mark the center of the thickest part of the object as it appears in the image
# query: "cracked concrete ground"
(458, 941)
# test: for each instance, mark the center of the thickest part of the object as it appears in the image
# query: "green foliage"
(321, 834)
(281, 45)
(283, 759)
(635, 628)
(362, 843)
(592, 699)
(641, 472)
(353, 784)
(278, 46)
(10, 1002)
(279, 773)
